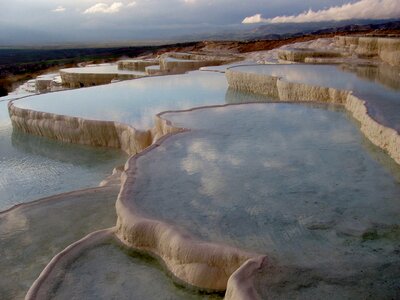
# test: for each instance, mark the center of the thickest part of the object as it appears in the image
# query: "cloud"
(59, 9)
(131, 4)
(104, 8)
(254, 19)
(363, 9)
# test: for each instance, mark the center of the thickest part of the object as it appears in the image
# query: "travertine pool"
(34, 167)
(299, 183)
(382, 99)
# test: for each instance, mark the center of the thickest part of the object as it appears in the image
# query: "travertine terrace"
(302, 54)
(191, 261)
(347, 49)
(95, 75)
(137, 64)
(387, 49)
(284, 90)
(183, 62)
(169, 63)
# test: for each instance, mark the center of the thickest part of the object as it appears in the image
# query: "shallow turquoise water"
(109, 272)
(51, 167)
(31, 235)
(297, 182)
(34, 167)
(136, 102)
(381, 95)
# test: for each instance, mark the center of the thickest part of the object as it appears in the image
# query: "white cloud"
(131, 4)
(104, 8)
(254, 19)
(59, 9)
(363, 9)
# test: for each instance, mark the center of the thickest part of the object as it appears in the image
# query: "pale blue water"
(296, 182)
(31, 235)
(34, 167)
(299, 183)
(135, 102)
(383, 101)
(108, 272)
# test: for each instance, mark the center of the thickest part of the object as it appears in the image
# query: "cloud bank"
(59, 9)
(104, 8)
(363, 9)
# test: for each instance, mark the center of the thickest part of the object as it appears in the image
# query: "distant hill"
(394, 25)
(325, 27)
(289, 30)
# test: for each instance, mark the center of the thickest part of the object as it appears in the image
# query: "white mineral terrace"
(136, 64)
(267, 200)
(96, 75)
(344, 48)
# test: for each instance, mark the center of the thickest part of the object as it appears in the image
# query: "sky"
(109, 20)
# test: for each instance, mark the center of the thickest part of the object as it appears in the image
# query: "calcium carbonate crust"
(77, 80)
(192, 262)
(387, 49)
(204, 265)
(79, 130)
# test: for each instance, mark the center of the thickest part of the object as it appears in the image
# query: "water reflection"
(134, 102)
(76, 155)
(293, 181)
(31, 235)
(383, 102)
(110, 272)
(233, 96)
(383, 74)
(34, 167)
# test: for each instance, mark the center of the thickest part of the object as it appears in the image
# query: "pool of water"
(110, 272)
(34, 167)
(382, 74)
(136, 102)
(297, 182)
(101, 69)
(383, 102)
(31, 235)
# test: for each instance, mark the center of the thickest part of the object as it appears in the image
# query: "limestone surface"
(136, 64)
(387, 49)
(301, 54)
(192, 262)
(80, 131)
(95, 75)
(184, 62)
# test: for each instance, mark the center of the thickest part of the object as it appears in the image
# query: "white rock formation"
(80, 131)
(184, 62)
(136, 64)
(301, 54)
(95, 75)
(387, 49)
